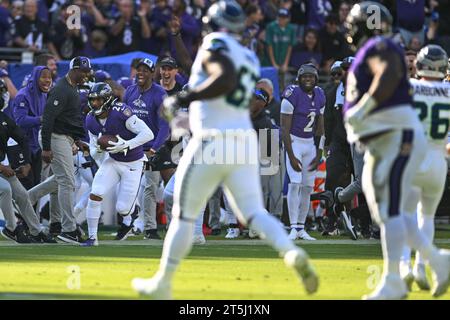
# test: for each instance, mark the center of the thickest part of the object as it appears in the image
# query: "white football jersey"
(227, 111)
(432, 103)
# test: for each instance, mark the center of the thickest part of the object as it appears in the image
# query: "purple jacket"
(29, 106)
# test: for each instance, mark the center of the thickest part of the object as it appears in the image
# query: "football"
(104, 140)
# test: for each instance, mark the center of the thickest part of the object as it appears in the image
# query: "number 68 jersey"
(432, 103)
(226, 111)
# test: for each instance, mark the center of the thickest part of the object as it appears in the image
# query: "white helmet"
(432, 61)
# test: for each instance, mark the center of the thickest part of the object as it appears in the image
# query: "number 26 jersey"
(229, 111)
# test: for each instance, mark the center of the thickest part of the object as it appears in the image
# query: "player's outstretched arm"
(142, 131)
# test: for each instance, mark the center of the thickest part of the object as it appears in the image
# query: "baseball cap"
(82, 63)
(336, 65)
(169, 62)
(147, 62)
(283, 12)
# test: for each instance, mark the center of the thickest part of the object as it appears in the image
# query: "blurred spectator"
(159, 23)
(440, 23)
(68, 42)
(334, 45)
(17, 9)
(196, 8)
(189, 27)
(344, 10)
(32, 33)
(316, 12)
(270, 10)
(5, 22)
(410, 58)
(128, 29)
(280, 38)
(28, 108)
(307, 51)
(96, 47)
(252, 29)
(298, 16)
(179, 48)
(410, 21)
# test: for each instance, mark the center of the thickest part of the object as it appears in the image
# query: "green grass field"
(221, 269)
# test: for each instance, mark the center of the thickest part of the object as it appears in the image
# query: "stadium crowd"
(284, 34)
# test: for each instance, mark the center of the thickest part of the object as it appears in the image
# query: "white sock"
(392, 234)
(127, 220)
(426, 226)
(198, 227)
(305, 202)
(93, 212)
(231, 217)
(270, 228)
(177, 244)
(417, 240)
(293, 202)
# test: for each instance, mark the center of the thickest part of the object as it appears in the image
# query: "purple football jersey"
(359, 79)
(305, 109)
(115, 125)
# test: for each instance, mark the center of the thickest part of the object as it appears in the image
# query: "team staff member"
(62, 126)
(145, 98)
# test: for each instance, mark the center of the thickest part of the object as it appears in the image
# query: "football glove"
(120, 146)
(172, 104)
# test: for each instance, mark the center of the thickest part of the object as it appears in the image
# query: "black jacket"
(333, 121)
(62, 113)
(9, 129)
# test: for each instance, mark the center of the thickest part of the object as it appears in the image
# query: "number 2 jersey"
(226, 111)
(432, 103)
(304, 109)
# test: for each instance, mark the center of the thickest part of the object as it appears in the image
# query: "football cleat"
(420, 276)
(91, 242)
(391, 287)
(293, 234)
(123, 232)
(441, 275)
(303, 235)
(298, 259)
(152, 288)
(232, 233)
(199, 239)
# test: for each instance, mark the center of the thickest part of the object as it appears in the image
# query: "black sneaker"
(123, 231)
(22, 236)
(71, 237)
(43, 238)
(55, 228)
(7, 234)
(152, 234)
(216, 232)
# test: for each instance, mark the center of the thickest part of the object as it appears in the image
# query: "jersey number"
(309, 126)
(439, 125)
(241, 95)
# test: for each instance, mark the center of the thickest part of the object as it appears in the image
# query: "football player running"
(222, 81)
(378, 115)
(431, 100)
(125, 163)
(302, 111)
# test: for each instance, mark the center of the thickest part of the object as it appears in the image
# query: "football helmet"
(365, 20)
(347, 62)
(432, 61)
(104, 91)
(224, 15)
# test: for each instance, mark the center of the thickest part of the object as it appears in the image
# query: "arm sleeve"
(137, 126)
(287, 107)
(53, 107)
(17, 134)
(22, 114)
(164, 130)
